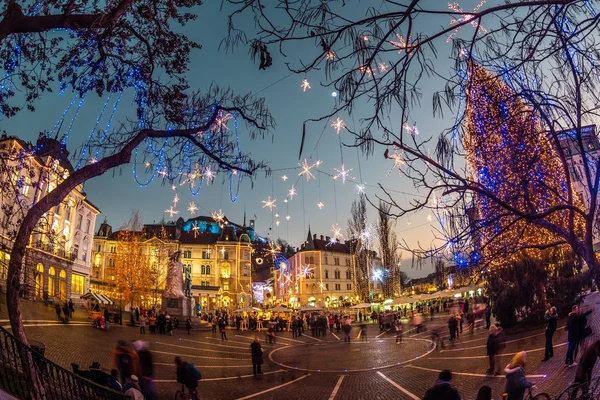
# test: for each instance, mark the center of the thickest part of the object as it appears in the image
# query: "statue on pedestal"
(187, 287)
(173, 287)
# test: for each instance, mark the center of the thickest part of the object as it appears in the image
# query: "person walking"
(442, 389)
(488, 316)
(106, 317)
(257, 356)
(142, 324)
(222, 326)
(551, 318)
(188, 324)
(516, 382)
(572, 336)
(452, 326)
(347, 328)
(214, 325)
(398, 328)
(492, 349)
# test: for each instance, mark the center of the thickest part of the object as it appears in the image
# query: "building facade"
(319, 274)
(59, 251)
(218, 254)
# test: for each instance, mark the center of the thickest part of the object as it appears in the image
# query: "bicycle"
(539, 396)
(182, 395)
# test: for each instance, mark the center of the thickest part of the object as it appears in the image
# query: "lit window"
(77, 284)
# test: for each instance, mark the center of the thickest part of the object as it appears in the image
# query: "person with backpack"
(257, 356)
(188, 375)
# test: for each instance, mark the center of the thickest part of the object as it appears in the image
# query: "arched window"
(51, 282)
(208, 270)
(203, 269)
(312, 260)
(326, 274)
(306, 260)
(348, 274)
(336, 274)
(39, 280)
(62, 285)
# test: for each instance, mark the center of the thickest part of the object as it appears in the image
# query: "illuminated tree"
(359, 248)
(510, 156)
(160, 250)
(129, 48)
(382, 59)
(390, 254)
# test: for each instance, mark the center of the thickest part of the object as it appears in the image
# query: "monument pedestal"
(182, 308)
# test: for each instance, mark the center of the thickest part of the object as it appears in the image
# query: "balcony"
(55, 250)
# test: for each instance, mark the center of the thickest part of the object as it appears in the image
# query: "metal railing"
(581, 391)
(54, 249)
(26, 374)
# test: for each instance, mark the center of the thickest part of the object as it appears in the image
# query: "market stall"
(95, 304)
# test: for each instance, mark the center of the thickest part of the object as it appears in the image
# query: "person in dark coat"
(584, 330)
(442, 390)
(586, 364)
(106, 315)
(452, 326)
(112, 381)
(257, 356)
(492, 348)
(551, 318)
(572, 336)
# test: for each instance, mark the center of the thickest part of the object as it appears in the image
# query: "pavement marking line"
(337, 387)
(381, 334)
(499, 355)
(220, 379)
(470, 374)
(194, 348)
(214, 344)
(274, 388)
(276, 337)
(336, 336)
(400, 388)
(43, 325)
(485, 345)
(207, 366)
(209, 358)
(310, 337)
(244, 337)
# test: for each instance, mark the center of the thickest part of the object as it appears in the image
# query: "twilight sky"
(117, 194)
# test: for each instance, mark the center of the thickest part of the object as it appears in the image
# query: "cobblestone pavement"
(322, 367)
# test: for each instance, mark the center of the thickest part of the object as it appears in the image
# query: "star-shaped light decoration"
(171, 211)
(269, 203)
(305, 85)
(218, 216)
(413, 130)
(284, 177)
(274, 248)
(402, 44)
(342, 173)
(192, 208)
(305, 271)
(320, 205)
(292, 192)
(360, 188)
(221, 121)
(277, 222)
(147, 164)
(173, 187)
(464, 17)
(209, 174)
(398, 161)
(337, 232)
(175, 199)
(338, 125)
(382, 67)
(306, 167)
(163, 172)
(330, 55)
(94, 160)
(287, 217)
(195, 228)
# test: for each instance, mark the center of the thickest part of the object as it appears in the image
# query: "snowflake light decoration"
(305, 85)
(464, 18)
(306, 167)
(292, 192)
(284, 177)
(398, 161)
(305, 271)
(338, 125)
(192, 208)
(274, 248)
(209, 174)
(342, 173)
(337, 232)
(269, 203)
(330, 55)
(320, 205)
(175, 200)
(382, 67)
(221, 121)
(94, 160)
(287, 217)
(195, 229)
(171, 211)
(218, 216)
(413, 130)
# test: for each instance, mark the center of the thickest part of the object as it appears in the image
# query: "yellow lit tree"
(131, 262)
(520, 174)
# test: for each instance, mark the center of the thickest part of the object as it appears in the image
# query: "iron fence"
(25, 373)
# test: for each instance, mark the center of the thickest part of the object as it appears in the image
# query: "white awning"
(99, 298)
